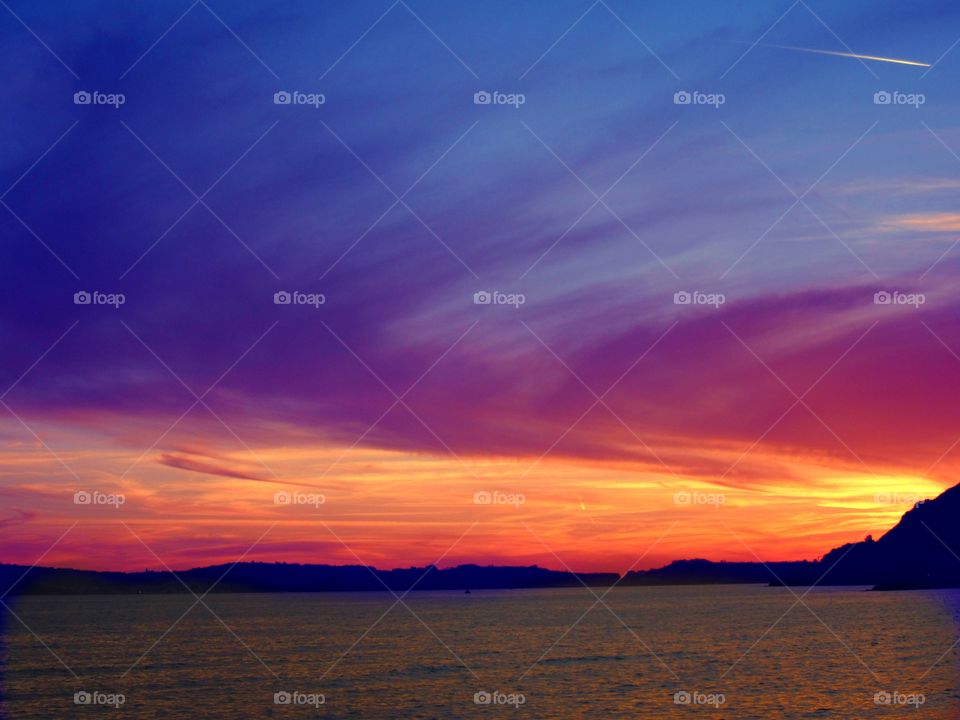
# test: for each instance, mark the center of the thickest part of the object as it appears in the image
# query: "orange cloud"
(396, 508)
(924, 222)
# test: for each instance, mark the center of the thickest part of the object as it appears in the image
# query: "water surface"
(736, 651)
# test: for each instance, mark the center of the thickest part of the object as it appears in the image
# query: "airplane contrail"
(858, 56)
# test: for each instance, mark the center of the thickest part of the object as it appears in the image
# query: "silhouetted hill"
(918, 552)
(286, 577)
(708, 572)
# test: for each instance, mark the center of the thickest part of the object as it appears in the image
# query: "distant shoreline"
(260, 577)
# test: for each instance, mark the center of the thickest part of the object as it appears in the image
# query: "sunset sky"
(797, 415)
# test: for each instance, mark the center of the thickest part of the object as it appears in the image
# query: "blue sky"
(398, 198)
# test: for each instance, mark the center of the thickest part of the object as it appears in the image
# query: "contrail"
(877, 58)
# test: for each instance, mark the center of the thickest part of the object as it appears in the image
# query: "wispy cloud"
(937, 222)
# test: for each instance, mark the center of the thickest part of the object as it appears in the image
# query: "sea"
(733, 651)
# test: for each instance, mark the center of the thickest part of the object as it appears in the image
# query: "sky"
(784, 410)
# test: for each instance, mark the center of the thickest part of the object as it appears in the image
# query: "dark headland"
(921, 551)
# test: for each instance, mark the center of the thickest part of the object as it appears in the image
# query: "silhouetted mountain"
(286, 577)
